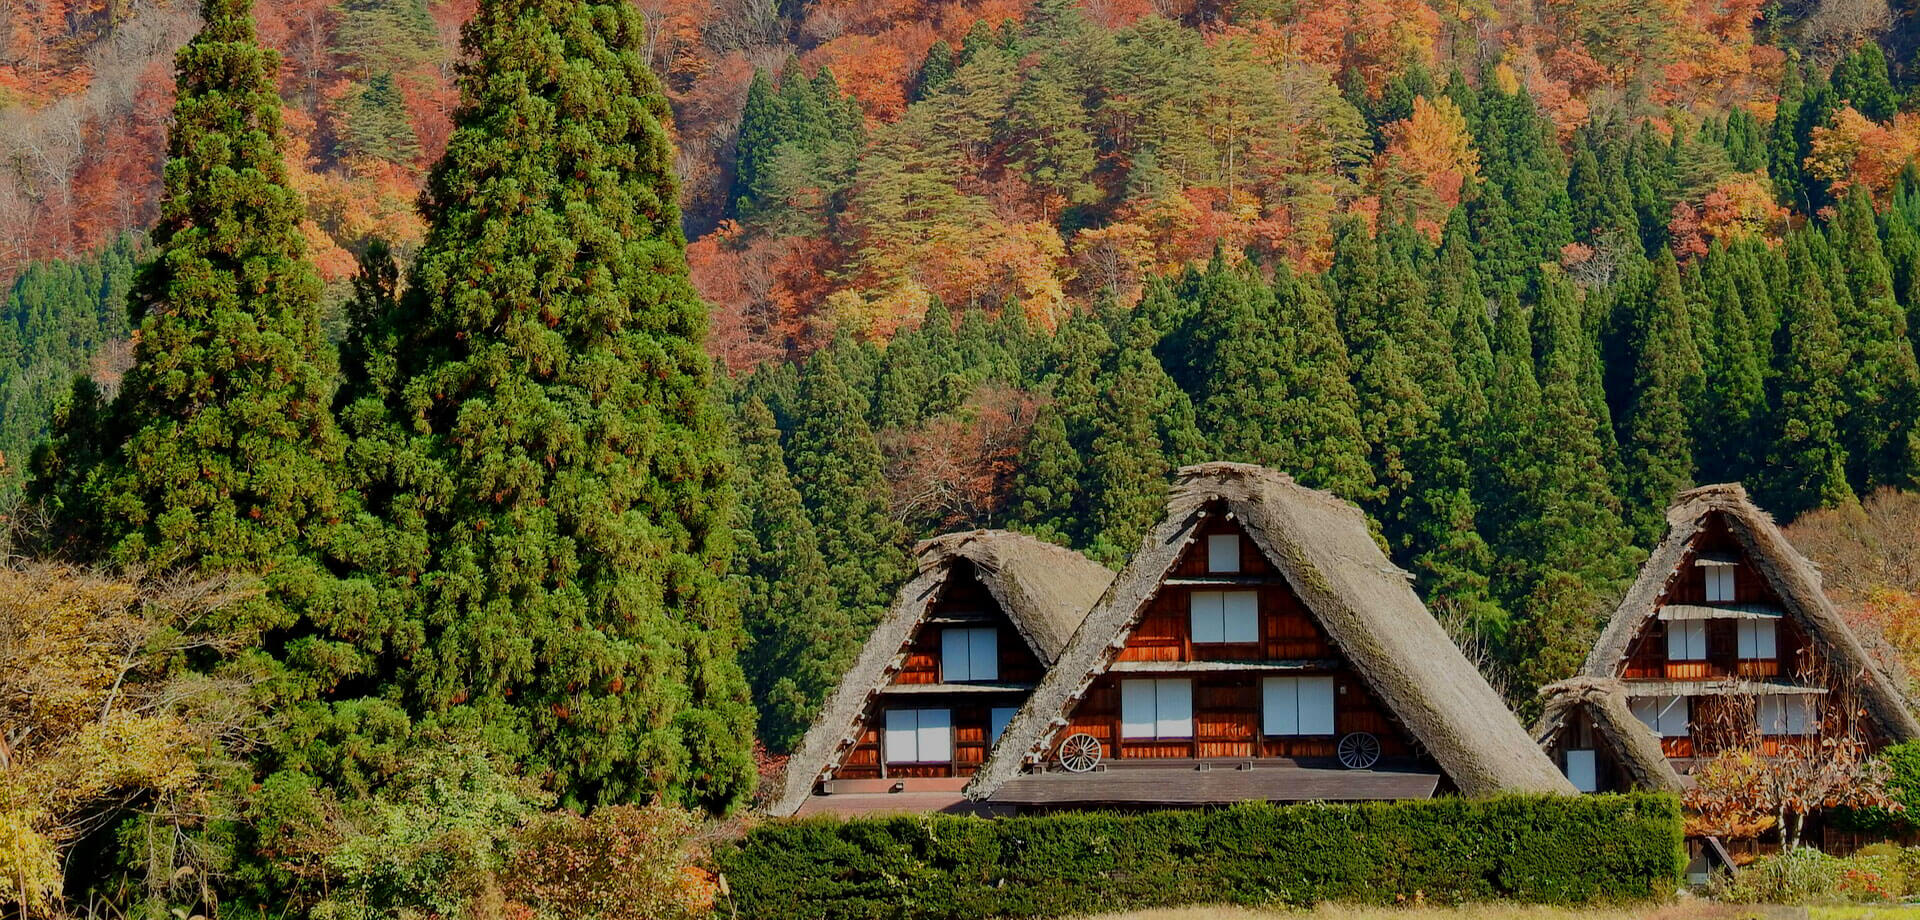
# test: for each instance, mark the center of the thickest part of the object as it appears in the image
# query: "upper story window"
(1687, 640)
(1223, 553)
(969, 654)
(1719, 583)
(1156, 709)
(1759, 638)
(1224, 616)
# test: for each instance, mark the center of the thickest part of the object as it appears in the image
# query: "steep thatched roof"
(1323, 548)
(1605, 702)
(1793, 578)
(1045, 590)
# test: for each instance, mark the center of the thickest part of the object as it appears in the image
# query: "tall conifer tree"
(1882, 381)
(1277, 388)
(1143, 430)
(837, 464)
(220, 451)
(1047, 485)
(1667, 381)
(1730, 431)
(798, 636)
(1806, 462)
(571, 465)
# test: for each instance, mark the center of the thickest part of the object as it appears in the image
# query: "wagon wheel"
(1359, 750)
(1079, 753)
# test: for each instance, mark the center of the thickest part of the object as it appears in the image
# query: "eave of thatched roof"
(1792, 576)
(1323, 548)
(1044, 590)
(1605, 703)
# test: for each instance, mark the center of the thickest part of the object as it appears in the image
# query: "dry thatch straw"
(1322, 546)
(1605, 702)
(1792, 577)
(1045, 590)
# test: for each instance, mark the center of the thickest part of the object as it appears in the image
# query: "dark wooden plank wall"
(1227, 705)
(1798, 656)
(1647, 656)
(972, 715)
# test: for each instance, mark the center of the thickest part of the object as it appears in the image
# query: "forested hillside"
(1506, 274)
(450, 444)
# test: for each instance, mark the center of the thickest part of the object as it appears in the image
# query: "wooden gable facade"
(942, 682)
(1222, 679)
(1726, 641)
(1718, 621)
(1259, 646)
(1715, 574)
(967, 639)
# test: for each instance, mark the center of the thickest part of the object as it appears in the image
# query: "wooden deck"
(1222, 784)
(919, 802)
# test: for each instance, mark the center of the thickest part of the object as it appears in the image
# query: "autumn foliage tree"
(101, 723)
(1742, 793)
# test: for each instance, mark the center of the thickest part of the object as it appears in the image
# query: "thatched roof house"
(1589, 731)
(1336, 663)
(1726, 611)
(965, 642)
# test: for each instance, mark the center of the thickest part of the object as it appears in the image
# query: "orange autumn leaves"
(1429, 161)
(1856, 150)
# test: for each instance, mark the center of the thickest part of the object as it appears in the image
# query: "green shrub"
(1546, 849)
(1875, 874)
(1903, 785)
(1801, 876)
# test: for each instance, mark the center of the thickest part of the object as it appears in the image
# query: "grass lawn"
(1909, 912)
(1683, 910)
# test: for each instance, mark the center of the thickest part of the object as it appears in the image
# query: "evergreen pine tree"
(55, 318)
(908, 382)
(1745, 140)
(798, 637)
(377, 123)
(575, 496)
(1804, 105)
(1667, 379)
(220, 451)
(383, 36)
(1862, 81)
(1882, 381)
(1460, 309)
(1050, 141)
(1047, 483)
(1277, 388)
(935, 70)
(1806, 462)
(1509, 478)
(1441, 542)
(1731, 426)
(837, 466)
(1394, 415)
(1570, 542)
(1143, 429)
(764, 123)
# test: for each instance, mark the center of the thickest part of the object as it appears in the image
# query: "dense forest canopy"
(504, 407)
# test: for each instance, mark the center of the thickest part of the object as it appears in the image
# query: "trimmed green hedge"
(1546, 849)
